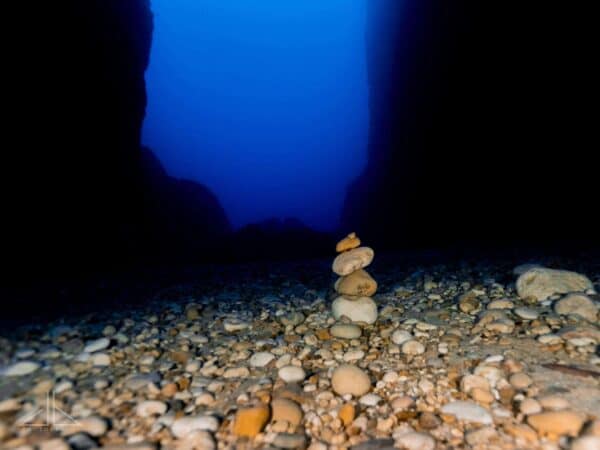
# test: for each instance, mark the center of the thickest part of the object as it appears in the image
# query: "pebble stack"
(355, 286)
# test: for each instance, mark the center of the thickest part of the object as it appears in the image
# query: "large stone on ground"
(541, 283)
(358, 283)
(577, 304)
(363, 309)
(352, 260)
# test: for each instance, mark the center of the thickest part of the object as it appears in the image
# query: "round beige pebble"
(350, 379)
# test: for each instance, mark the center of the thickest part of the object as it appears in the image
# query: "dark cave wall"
(479, 127)
(77, 99)
(79, 192)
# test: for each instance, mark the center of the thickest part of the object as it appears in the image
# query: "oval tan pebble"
(557, 422)
(283, 409)
(520, 380)
(357, 283)
(350, 379)
(346, 331)
(352, 260)
(348, 243)
(250, 421)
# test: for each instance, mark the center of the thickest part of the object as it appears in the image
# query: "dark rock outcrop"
(77, 101)
(479, 130)
(188, 222)
(80, 194)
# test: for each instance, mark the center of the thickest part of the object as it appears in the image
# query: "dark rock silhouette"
(187, 219)
(77, 103)
(479, 128)
(82, 196)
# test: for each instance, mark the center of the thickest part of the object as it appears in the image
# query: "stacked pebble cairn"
(355, 286)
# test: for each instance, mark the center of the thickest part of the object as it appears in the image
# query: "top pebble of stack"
(348, 243)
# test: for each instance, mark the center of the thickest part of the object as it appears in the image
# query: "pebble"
(557, 422)
(520, 380)
(549, 339)
(470, 382)
(468, 303)
(54, 444)
(504, 326)
(347, 413)
(352, 260)
(232, 325)
(553, 402)
(468, 411)
(501, 304)
(293, 318)
(93, 426)
(399, 337)
(261, 359)
(353, 355)
(97, 345)
(140, 381)
(369, 400)
(530, 406)
(416, 441)
(526, 313)
(413, 347)
(579, 305)
(358, 283)
(3, 430)
(363, 309)
(346, 331)
(586, 443)
(292, 374)
(236, 372)
(185, 425)
(283, 409)
(151, 408)
(287, 440)
(100, 360)
(481, 436)
(348, 243)
(20, 369)
(350, 379)
(196, 440)
(250, 421)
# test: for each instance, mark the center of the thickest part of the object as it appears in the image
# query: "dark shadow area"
(480, 126)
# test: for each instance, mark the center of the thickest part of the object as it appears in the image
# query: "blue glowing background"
(265, 102)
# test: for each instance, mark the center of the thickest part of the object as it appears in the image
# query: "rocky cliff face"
(77, 185)
(479, 126)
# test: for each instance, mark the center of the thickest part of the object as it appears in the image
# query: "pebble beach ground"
(457, 358)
